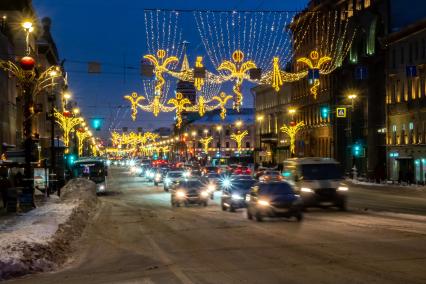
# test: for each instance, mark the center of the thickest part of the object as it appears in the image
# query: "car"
(233, 197)
(270, 175)
(159, 175)
(249, 177)
(210, 169)
(94, 170)
(189, 191)
(241, 170)
(170, 178)
(273, 199)
(319, 181)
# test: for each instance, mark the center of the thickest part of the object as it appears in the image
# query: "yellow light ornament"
(199, 82)
(292, 130)
(81, 136)
(134, 99)
(238, 137)
(179, 103)
(222, 100)
(238, 71)
(67, 123)
(314, 62)
(205, 141)
(277, 81)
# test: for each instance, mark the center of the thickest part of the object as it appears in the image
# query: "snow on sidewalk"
(37, 240)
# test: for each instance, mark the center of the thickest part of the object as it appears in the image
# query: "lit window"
(394, 128)
(411, 126)
(367, 3)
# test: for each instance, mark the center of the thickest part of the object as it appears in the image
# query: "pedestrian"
(5, 184)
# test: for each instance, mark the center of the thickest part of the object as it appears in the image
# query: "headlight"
(158, 176)
(204, 194)
(138, 170)
(180, 194)
(236, 197)
(226, 183)
(167, 180)
(342, 188)
(186, 174)
(102, 187)
(263, 203)
(305, 189)
(133, 169)
(151, 174)
(211, 187)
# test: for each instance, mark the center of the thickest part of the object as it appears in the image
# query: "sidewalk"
(388, 186)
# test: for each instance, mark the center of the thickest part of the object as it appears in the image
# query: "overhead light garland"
(67, 122)
(179, 103)
(205, 141)
(134, 99)
(238, 138)
(291, 130)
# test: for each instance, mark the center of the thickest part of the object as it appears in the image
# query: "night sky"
(112, 32)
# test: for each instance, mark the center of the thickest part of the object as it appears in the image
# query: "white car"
(171, 177)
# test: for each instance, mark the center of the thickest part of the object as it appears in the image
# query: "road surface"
(137, 237)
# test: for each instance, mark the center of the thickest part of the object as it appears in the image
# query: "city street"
(137, 237)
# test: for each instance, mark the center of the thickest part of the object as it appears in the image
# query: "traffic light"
(70, 159)
(97, 123)
(325, 111)
(358, 151)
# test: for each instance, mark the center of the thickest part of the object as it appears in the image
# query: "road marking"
(166, 259)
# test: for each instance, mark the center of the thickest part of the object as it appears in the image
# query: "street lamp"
(238, 123)
(76, 110)
(193, 134)
(260, 119)
(219, 129)
(352, 97)
(292, 112)
(205, 131)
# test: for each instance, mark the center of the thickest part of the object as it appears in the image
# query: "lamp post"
(352, 97)
(193, 134)
(51, 98)
(259, 119)
(219, 129)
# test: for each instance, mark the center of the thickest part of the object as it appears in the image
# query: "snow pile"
(40, 239)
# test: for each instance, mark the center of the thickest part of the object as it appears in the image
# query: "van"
(319, 181)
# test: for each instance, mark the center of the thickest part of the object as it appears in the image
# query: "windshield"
(93, 171)
(175, 175)
(272, 173)
(275, 189)
(321, 171)
(244, 184)
(192, 184)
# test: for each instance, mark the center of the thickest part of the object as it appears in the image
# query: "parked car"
(273, 199)
(241, 170)
(270, 176)
(319, 181)
(234, 196)
(171, 178)
(189, 191)
(210, 169)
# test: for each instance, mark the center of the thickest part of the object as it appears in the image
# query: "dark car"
(273, 199)
(190, 191)
(210, 169)
(234, 196)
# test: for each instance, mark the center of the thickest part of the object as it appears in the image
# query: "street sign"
(341, 112)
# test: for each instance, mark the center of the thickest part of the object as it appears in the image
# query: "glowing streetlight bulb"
(219, 127)
(193, 133)
(28, 26)
(76, 110)
(260, 118)
(352, 96)
(239, 123)
(67, 95)
(291, 111)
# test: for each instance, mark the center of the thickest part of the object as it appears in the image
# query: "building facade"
(406, 103)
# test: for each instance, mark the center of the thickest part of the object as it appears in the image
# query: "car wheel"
(205, 203)
(223, 207)
(232, 208)
(259, 217)
(299, 217)
(343, 207)
(249, 216)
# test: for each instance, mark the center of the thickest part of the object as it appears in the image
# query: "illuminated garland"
(67, 123)
(292, 131)
(134, 101)
(238, 137)
(81, 136)
(205, 142)
(179, 103)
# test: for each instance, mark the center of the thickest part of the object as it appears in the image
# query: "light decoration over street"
(205, 141)
(238, 138)
(134, 100)
(179, 102)
(238, 70)
(198, 82)
(277, 80)
(82, 135)
(222, 99)
(67, 122)
(314, 62)
(291, 130)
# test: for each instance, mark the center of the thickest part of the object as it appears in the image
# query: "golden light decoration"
(201, 106)
(134, 100)
(314, 62)
(205, 141)
(292, 130)
(277, 81)
(160, 66)
(238, 137)
(179, 103)
(222, 99)
(199, 82)
(67, 123)
(238, 71)
(81, 136)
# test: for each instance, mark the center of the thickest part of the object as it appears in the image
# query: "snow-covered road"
(137, 237)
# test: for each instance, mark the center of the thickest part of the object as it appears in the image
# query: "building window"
(411, 125)
(353, 54)
(227, 144)
(350, 8)
(410, 52)
(367, 3)
(416, 50)
(247, 144)
(359, 4)
(402, 55)
(394, 128)
(227, 132)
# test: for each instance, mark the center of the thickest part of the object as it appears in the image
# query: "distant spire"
(185, 64)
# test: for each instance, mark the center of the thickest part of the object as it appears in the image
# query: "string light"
(81, 136)
(179, 103)
(292, 130)
(238, 138)
(67, 123)
(222, 100)
(205, 141)
(134, 99)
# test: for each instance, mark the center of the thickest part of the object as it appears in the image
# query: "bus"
(92, 169)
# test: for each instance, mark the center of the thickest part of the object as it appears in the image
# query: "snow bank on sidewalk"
(40, 239)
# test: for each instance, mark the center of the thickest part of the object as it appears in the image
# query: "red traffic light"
(27, 63)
